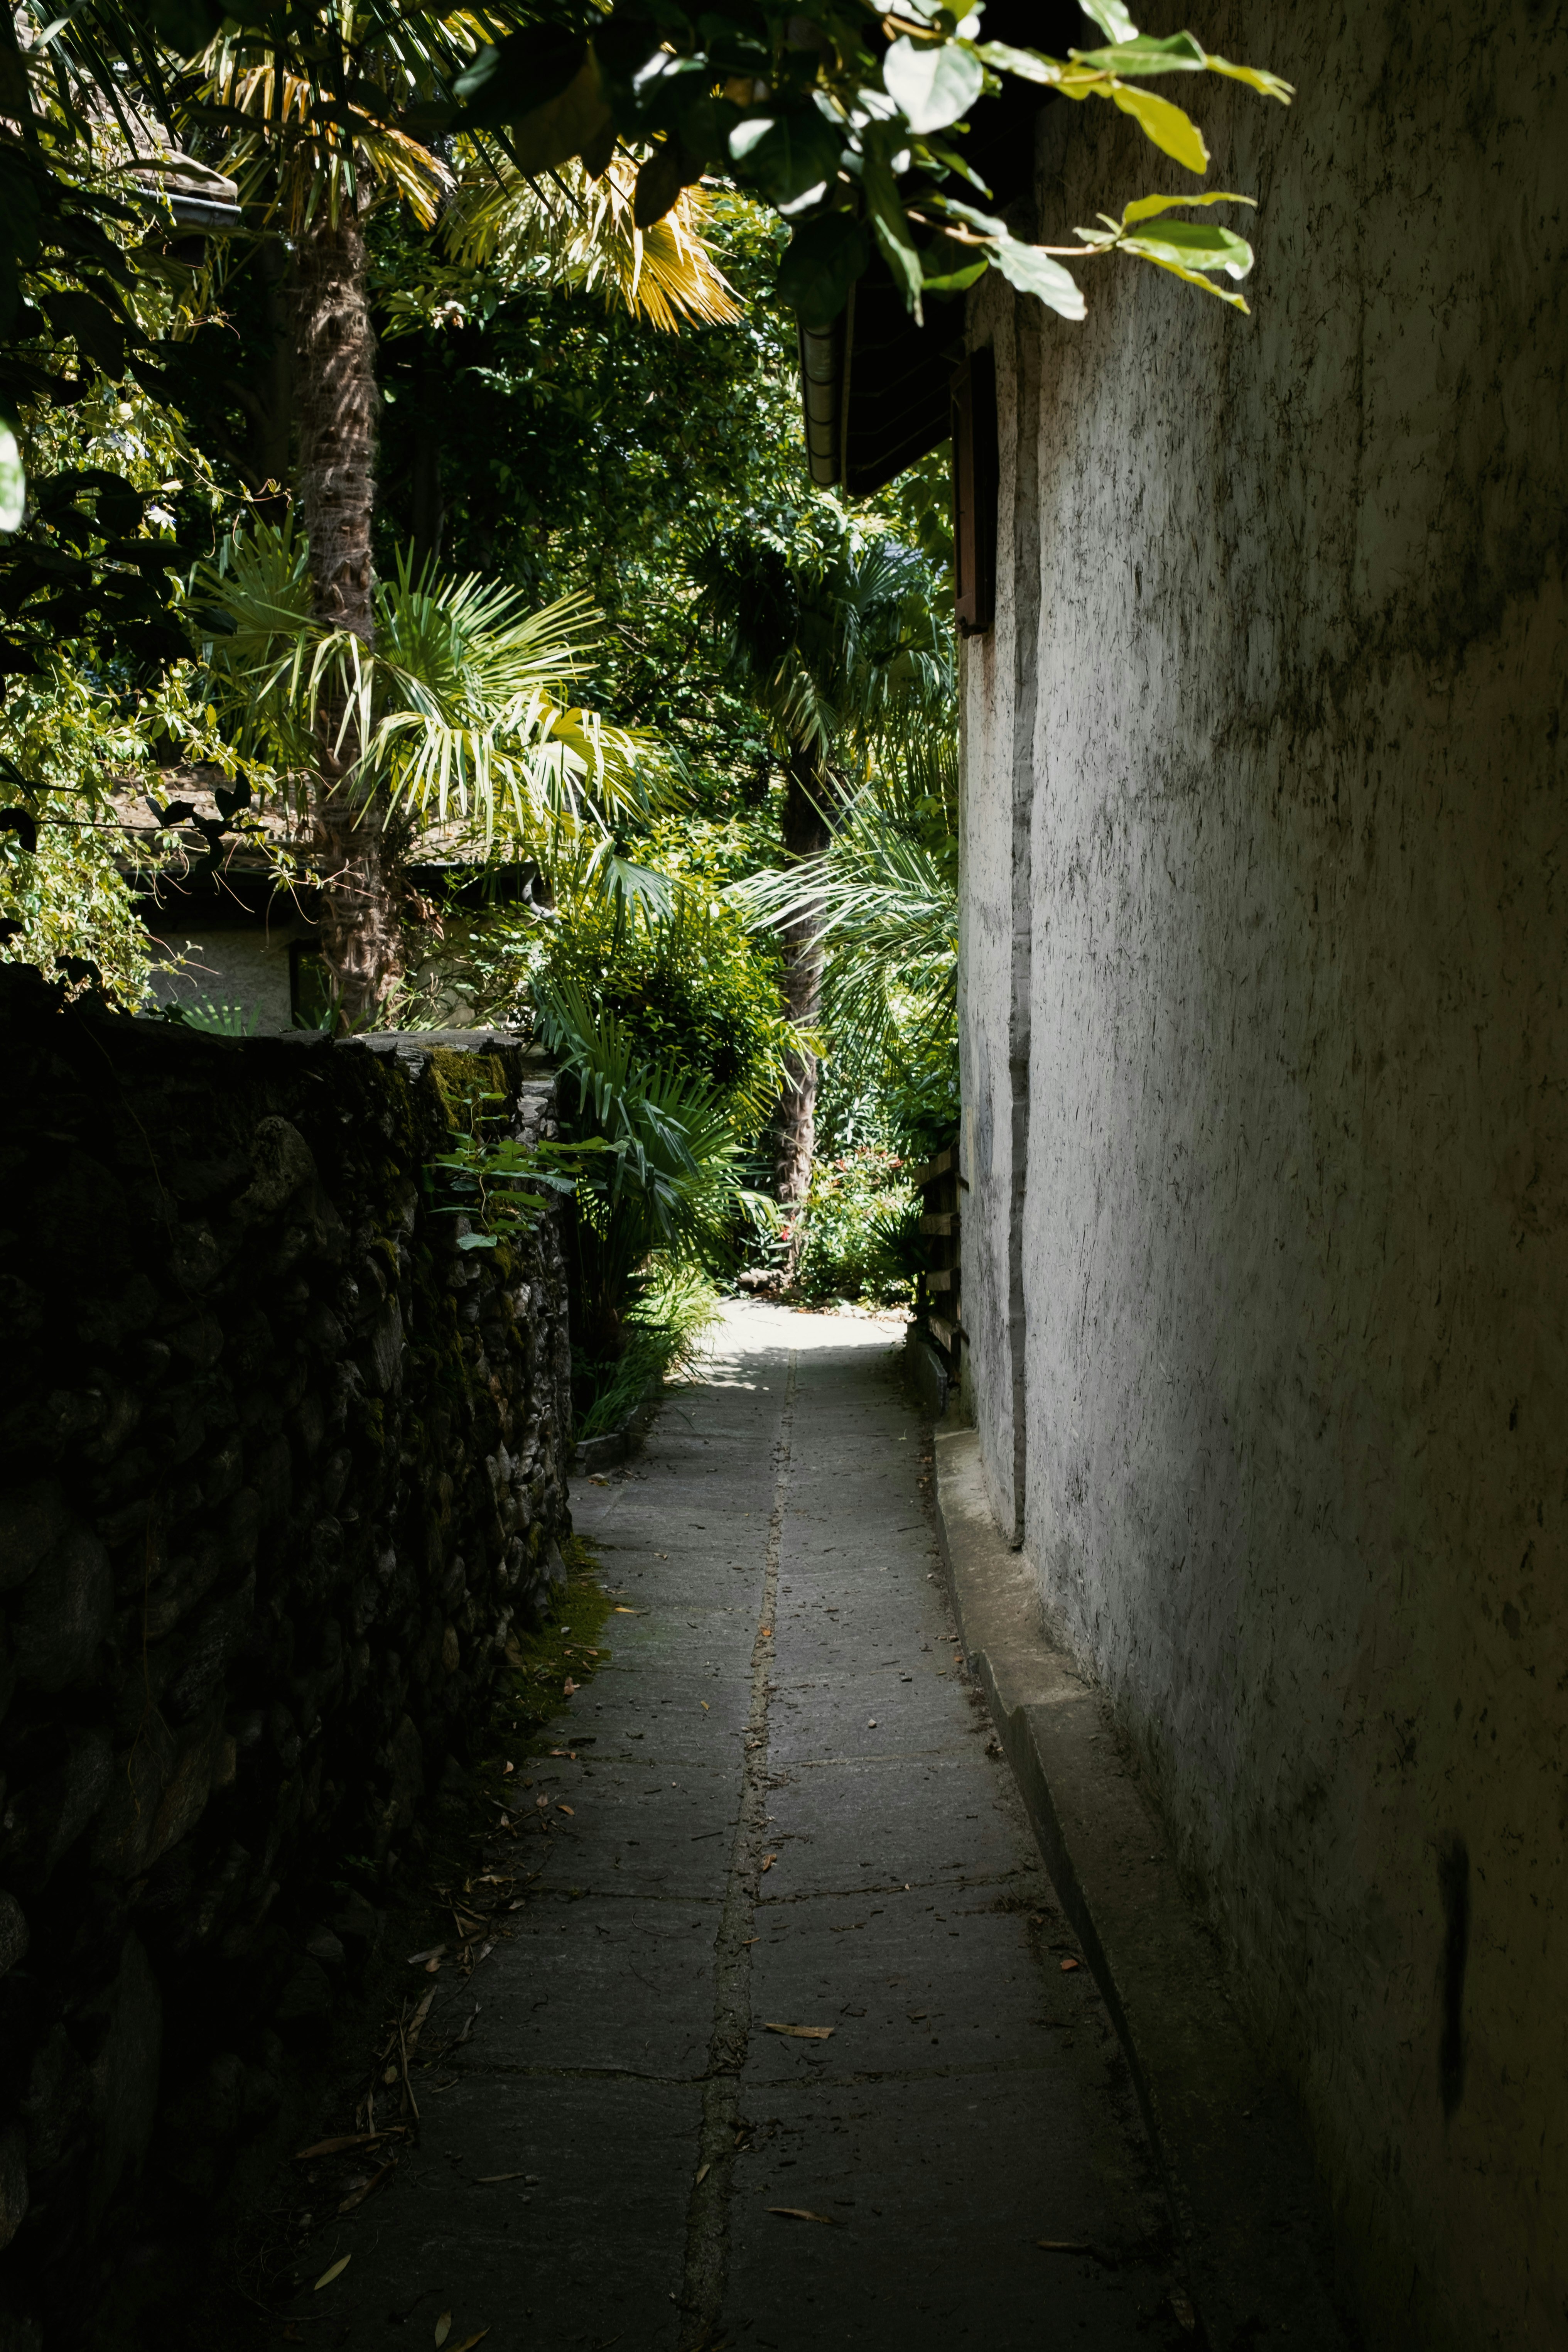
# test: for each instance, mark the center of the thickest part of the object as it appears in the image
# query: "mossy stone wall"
(280, 1469)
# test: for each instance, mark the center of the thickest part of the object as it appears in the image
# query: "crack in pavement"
(707, 2214)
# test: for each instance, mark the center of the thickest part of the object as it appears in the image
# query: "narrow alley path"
(783, 1816)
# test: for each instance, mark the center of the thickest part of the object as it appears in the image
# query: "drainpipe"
(822, 392)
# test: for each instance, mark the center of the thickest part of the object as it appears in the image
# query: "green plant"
(671, 1183)
(217, 1020)
(458, 710)
(494, 1181)
(884, 894)
(690, 984)
(834, 634)
(859, 1230)
(662, 1332)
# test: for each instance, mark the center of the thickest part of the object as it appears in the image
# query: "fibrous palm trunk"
(335, 362)
(805, 834)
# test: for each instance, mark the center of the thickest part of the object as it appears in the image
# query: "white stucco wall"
(1293, 1262)
(230, 965)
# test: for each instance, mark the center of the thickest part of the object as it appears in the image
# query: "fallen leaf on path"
(702, 2172)
(468, 2342)
(443, 2327)
(799, 2214)
(802, 2033)
(704, 1705)
(568, 1686)
(620, 1611)
(1067, 1966)
(336, 2146)
(436, 1952)
(488, 2180)
(769, 1860)
(366, 2188)
(417, 2023)
(1062, 2246)
(766, 1632)
(336, 2272)
(915, 2017)
(567, 1808)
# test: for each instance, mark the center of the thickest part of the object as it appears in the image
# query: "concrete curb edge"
(1249, 2210)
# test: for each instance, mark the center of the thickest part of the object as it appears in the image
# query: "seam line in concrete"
(707, 2265)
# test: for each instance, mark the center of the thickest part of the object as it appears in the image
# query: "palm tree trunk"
(805, 834)
(334, 361)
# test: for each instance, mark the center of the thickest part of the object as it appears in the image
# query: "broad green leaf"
(1112, 19)
(13, 481)
(1192, 277)
(934, 84)
(905, 264)
(1258, 77)
(782, 155)
(1179, 54)
(1146, 208)
(564, 126)
(953, 162)
(1175, 133)
(892, 229)
(1027, 64)
(509, 78)
(987, 223)
(1033, 271)
(957, 281)
(1194, 245)
(186, 24)
(99, 334)
(826, 255)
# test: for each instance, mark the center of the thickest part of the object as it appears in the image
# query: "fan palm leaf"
(583, 231)
(460, 710)
(884, 895)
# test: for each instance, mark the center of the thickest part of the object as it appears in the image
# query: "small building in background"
(234, 915)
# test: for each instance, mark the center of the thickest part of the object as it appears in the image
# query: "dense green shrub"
(695, 990)
(861, 1238)
(689, 987)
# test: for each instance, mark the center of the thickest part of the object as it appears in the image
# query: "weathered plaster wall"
(279, 1468)
(999, 715)
(1295, 1245)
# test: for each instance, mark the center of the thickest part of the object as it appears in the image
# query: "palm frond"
(837, 644)
(673, 1178)
(583, 231)
(458, 711)
(884, 896)
(326, 109)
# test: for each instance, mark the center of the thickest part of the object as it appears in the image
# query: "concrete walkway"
(786, 1812)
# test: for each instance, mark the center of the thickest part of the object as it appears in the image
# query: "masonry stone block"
(244, 1528)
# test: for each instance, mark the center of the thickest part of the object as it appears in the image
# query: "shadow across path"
(790, 2047)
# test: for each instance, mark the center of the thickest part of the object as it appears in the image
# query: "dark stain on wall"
(1454, 1885)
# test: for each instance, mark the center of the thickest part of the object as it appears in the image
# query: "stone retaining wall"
(280, 1467)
